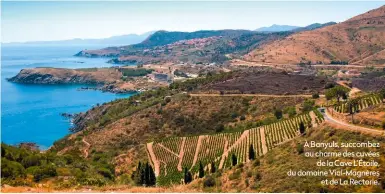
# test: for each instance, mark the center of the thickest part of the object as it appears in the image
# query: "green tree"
(336, 92)
(201, 170)
(136, 175)
(353, 107)
(213, 169)
(151, 176)
(234, 160)
(315, 95)
(251, 152)
(187, 176)
(308, 105)
(278, 113)
(302, 128)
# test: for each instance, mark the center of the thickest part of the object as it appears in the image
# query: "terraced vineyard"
(363, 102)
(175, 154)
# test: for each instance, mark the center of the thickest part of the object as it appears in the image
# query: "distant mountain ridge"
(276, 28)
(283, 28)
(111, 41)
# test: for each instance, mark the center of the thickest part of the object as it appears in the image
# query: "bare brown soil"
(359, 40)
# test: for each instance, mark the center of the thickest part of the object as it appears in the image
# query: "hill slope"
(359, 40)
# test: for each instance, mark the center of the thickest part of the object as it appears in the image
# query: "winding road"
(343, 125)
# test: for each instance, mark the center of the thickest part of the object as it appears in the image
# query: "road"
(343, 125)
(257, 95)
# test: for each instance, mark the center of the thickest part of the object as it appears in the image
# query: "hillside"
(359, 40)
(188, 47)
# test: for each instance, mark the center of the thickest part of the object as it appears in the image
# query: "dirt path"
(263, 140)
(181, 153)
(346, 126)
(352, 91)
(199, 143)
(153, 158)
(257, 95)
(88, 145)
(164, 147)
(313, 119)
(244, 135)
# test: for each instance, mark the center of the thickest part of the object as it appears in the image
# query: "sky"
(45, 21)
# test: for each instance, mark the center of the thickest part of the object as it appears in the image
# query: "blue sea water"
(31, 113)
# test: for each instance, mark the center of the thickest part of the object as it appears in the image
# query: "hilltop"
(359, 40)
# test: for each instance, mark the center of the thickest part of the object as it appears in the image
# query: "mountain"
(359, 40)
(277, 28)
(313, 26)
(111, 41)
(189, 47)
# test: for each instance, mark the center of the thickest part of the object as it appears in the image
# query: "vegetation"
(201, 170)
(336, 92)
(131, 72)
(144, 175)
(251, 152)
(187, 176)
(17, 164)
(302, 128)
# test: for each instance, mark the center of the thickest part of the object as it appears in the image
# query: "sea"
(32, 113)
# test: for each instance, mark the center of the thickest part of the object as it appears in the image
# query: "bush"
(44, 172)
(219, 128)
(11, 169)
(257, 177)
(257, 162)
(307, 105)
(291, 111)
(242, 118)
(105, 172)
(315, 96)
(32, 160)
(383, 125)
(278, 113)
(209, 182)
(300, 149)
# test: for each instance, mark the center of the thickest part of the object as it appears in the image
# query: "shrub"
(257, 162)
(219, 128)
(258, 176)
(242, 118)
(209, 182)
(11, 169)
(300, 149)
(105, 172)
(315, 96)
(278, 113)
(44, 172)
(308, 105)
(291, 111)
(32, 160)
(383, 125)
